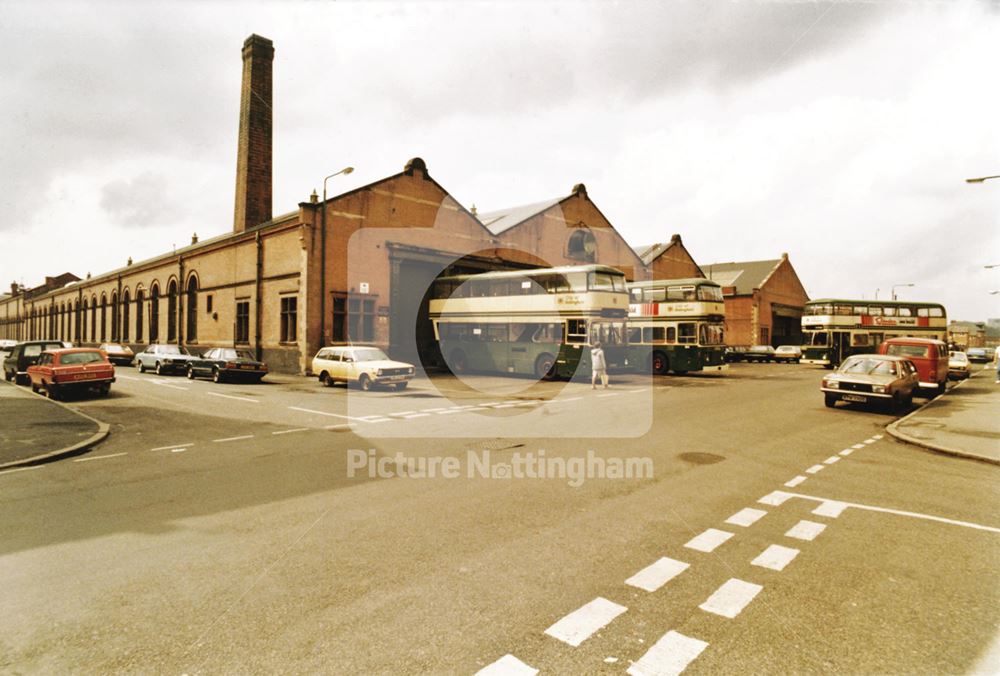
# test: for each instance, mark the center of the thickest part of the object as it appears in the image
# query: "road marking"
(508, 665)
(578, 626)
(832, 459)
(775, 557)
(846, 452)
(339, 426)
(563, 401)
(609, 394)
(775, 498)
(730, 599)
(374, 418)
(814, 469)
(746, 517)
(830, 508)
(709, 540)
(170, 448)
(505, 406)
(434, 410)
(100, 457)
(245, 436)
(792, 483)
(858, 446)
(297, 429)
(805, 530)
(332, 415)
(838, 506)
(126, 377)
(178, 450)
(669, 656)
(404, 413)
(20, 469)
(870, 441)
(230, 396)
(416, 415)
(877, 436)
(654, 576)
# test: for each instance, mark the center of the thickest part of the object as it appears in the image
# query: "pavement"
(35, 428)
(962, 422)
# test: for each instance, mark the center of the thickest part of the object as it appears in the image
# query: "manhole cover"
(701, 458)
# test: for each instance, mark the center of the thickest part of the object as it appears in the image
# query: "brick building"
(764, 301)
(669, 260)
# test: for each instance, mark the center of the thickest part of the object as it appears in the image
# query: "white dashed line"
(792, 483)
(297, 429)
(178, 450)
(870, 441)
(775, 498)
(416, 415)
(609, 394)
(434, 410)
(746, 517)
(505, 406)
(403, 413)
(337, 427)
(846, 452)
(669, 656)
(730, 599)
(121, 377)
(832, 459)
(332, 415)
(658, 574)
(579, 625)
(563, 401)
(775, 557)
(230, 396)
(709, 540)
(101, 457)
(805, 530)
(877, 437)
(858, 446)
(508, 665)
(170, 448)
(814, 469)
(830, 508)
(20, 469)
(245, 436)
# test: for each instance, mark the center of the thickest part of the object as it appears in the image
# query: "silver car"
(164, 359)
(872, 378)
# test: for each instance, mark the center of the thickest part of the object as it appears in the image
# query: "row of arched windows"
(116, 320)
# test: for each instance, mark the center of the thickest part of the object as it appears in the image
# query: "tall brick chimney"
(253, 157)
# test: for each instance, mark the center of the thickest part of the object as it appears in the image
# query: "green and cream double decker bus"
(835, 329)
(676, 325)
(538, 322)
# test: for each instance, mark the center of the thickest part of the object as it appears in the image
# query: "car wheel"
(105, 389)
(159, 369)
(545, 367)
(216, 375)
(897, 402)
(325, 378)
(34, 388)
(365, 382)
(659, 364)
(142, 367)
(401, 386)
(829, 399)
(190, 372)
(7, 376)
(51, 392)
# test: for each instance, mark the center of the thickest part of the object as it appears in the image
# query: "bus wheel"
(545, 367)
(457, 362)
(659, 364)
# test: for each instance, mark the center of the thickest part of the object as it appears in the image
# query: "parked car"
(5, 347)
(872, 378)
(959, 367)
(23, 355)
(759, 353)
(928, 355)
(979, 355)
(788, 353)
(121, 355)
(59, 372)
(164, 359)
(364, 365)
(227, 363)
(734, 354)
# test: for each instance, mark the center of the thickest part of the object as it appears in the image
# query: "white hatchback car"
(363, 365)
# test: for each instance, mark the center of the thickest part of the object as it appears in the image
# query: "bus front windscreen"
(819, 339)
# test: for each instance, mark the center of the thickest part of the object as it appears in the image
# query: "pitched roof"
(745, 276)
(504, 219)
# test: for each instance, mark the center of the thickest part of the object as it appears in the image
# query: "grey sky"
(839, 133)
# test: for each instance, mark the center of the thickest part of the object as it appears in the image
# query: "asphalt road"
(219, 529)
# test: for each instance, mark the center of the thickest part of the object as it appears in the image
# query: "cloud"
(141, 202)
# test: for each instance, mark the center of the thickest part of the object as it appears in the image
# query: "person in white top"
(598, 366)
(996, 361)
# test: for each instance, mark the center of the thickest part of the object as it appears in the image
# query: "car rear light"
(230, 365)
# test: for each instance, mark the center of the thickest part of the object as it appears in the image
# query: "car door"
(340, 368)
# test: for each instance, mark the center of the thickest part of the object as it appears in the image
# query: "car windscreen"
(173, 349)
(908, 350)
(369, 354)
(114, 348)
(80, 358)
(869, 366)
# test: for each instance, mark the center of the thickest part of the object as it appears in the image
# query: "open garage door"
(786, 325)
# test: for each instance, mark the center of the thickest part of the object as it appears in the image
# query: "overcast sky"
(839, 133)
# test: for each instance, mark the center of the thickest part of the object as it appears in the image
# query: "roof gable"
(745, 276)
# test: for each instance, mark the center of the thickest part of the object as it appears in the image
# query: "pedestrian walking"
(598, 366)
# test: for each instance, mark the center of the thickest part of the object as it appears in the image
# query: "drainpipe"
(260, 274)
(181, 295)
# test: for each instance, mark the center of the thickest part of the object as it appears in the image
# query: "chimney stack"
(253, 157)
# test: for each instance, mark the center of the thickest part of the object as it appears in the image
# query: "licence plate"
(84, 376)
(854, 397)
(394, 378)
(248, 367)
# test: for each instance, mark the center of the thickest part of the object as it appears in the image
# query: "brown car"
(61, 371)
(872, 378)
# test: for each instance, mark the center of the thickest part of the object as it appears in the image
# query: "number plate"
(84, 376)
(854, 397)
(248, 367)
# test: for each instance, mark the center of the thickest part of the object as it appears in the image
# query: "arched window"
(83, 320)
(126, 314)
(104, 318)
(62, 322)
(49, 325)
(74, 321)
(139, 297)
(172, 311)
(191, 308)
(114, 316)
(93, 318)
(582, 245)
(154, 313)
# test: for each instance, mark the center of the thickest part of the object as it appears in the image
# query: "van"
(23, 355)
(928, 355)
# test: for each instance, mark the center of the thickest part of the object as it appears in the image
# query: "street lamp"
(990, 267)
(980, 179)
(897, 286)
(322, 258)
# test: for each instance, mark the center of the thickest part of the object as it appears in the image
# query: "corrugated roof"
(504, 219)
(745, 276)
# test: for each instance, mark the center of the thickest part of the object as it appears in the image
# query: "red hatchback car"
(928, 355)
(60, 371)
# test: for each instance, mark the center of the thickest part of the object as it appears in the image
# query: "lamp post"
(322, 258)
(897, 286)
(981, 179)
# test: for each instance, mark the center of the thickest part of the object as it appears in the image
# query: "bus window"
(875, 311)
(937, 312)
(576, 331)
(842, 309)
(671, 334)
(634, 335)
(688, 332)
(656, 294)
(820, 339)
(636, 295)
(859, 340)
(905, 312)
(711, 334)
(577, 281)
(602, 281)
(709, 293)
(497, 333)
(653, 334)
(922, 312)
(860, 309)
